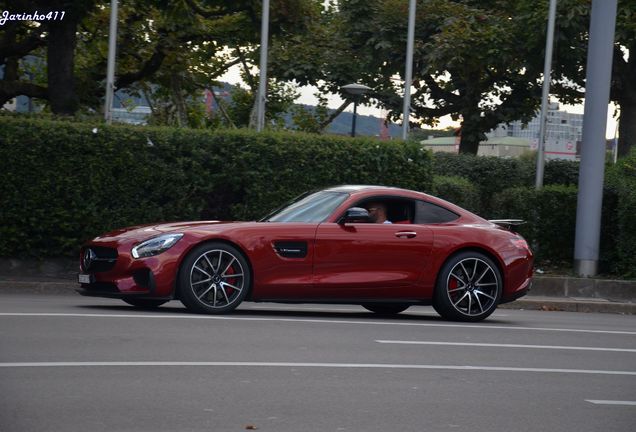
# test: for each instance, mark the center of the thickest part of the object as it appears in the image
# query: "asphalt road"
(71, 363)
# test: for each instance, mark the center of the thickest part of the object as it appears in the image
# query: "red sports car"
(322, 247)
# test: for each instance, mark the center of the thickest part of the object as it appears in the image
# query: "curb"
(38, 287)
(556, 304)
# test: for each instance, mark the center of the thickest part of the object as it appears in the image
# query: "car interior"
(399, 211)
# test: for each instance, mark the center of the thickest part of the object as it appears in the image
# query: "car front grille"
(98, 259)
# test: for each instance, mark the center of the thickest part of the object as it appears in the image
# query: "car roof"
(361, 188)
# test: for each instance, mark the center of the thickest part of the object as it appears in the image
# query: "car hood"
(142, 232)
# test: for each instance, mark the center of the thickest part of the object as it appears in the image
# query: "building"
(563, 135)
(503, 146)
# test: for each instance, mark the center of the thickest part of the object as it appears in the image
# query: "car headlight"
(155, 245)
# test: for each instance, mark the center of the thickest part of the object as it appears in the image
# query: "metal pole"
(408, 73)
(591, 170)
(262, 82)
(545, 96)
(615, 152)
(110, 70)
(355, 114)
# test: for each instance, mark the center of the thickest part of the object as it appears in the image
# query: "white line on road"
(316, 365)
(554, 347)
(611, 402)
(483, 326)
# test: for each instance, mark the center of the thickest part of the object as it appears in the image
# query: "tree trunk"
(61, 59)
(178, 100)
(471, 134)
(627, 127)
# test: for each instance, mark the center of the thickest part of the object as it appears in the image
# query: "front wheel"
(214, 279)
(468, 288)
(386, 308)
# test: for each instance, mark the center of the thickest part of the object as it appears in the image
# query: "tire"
(145, 303)
(214, 279)
(469, 287)
(386, 308)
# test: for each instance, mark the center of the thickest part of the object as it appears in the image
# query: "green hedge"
(550, 214)
(63, 182)
(551, 224)
(492, 174)
(459, 191)
(621, 179)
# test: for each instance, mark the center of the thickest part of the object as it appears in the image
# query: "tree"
(470, 61)
(623, 90)
(480, 61)
(20, 38)
(180, 47)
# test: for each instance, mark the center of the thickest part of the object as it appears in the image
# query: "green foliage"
(63, 184)
(492, 174)
(457, 190)
(621, 178)
(551, 223)
(311, 119)
(551, 215)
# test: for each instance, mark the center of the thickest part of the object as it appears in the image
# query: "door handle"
(406, 234)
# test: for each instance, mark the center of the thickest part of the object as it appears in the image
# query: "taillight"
(520, 243)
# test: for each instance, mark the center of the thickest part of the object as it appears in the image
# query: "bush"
(550, 214)
(63, 184)
(457, 190)
(621, 178)
(492, 174)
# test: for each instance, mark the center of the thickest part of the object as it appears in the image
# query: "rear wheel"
(214, 279)
(144, 303)
(468, 288)
(386, 308)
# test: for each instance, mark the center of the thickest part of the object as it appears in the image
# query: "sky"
(334, 101)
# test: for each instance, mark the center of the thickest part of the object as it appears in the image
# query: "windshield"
(315, 207)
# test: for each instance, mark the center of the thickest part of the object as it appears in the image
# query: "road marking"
(315, 365)
(483, 326)
(611, 402)
(554, 347)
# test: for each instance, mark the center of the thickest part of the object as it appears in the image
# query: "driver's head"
(377, 211)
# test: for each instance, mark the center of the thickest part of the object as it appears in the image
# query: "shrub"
(621, 178)
(550, 214)
(492, 174)
(457, 190)
(62, 183)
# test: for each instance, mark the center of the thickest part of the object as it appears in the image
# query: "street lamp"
(355, 91)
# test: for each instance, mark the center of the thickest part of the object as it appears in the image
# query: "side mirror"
(355, 215)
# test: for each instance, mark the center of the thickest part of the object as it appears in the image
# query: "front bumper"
(124, 277)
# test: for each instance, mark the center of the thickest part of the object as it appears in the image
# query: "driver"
(377, 212)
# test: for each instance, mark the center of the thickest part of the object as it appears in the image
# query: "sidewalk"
(549, 293)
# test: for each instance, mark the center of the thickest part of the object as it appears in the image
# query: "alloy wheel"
(217, 279)
(472, 286)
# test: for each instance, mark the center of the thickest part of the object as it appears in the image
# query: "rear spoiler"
(508, 224)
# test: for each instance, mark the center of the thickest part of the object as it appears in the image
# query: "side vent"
(291, 249)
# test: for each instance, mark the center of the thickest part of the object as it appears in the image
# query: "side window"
(428, 213)
(396, 210)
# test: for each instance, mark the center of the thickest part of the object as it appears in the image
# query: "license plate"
(85, 278)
